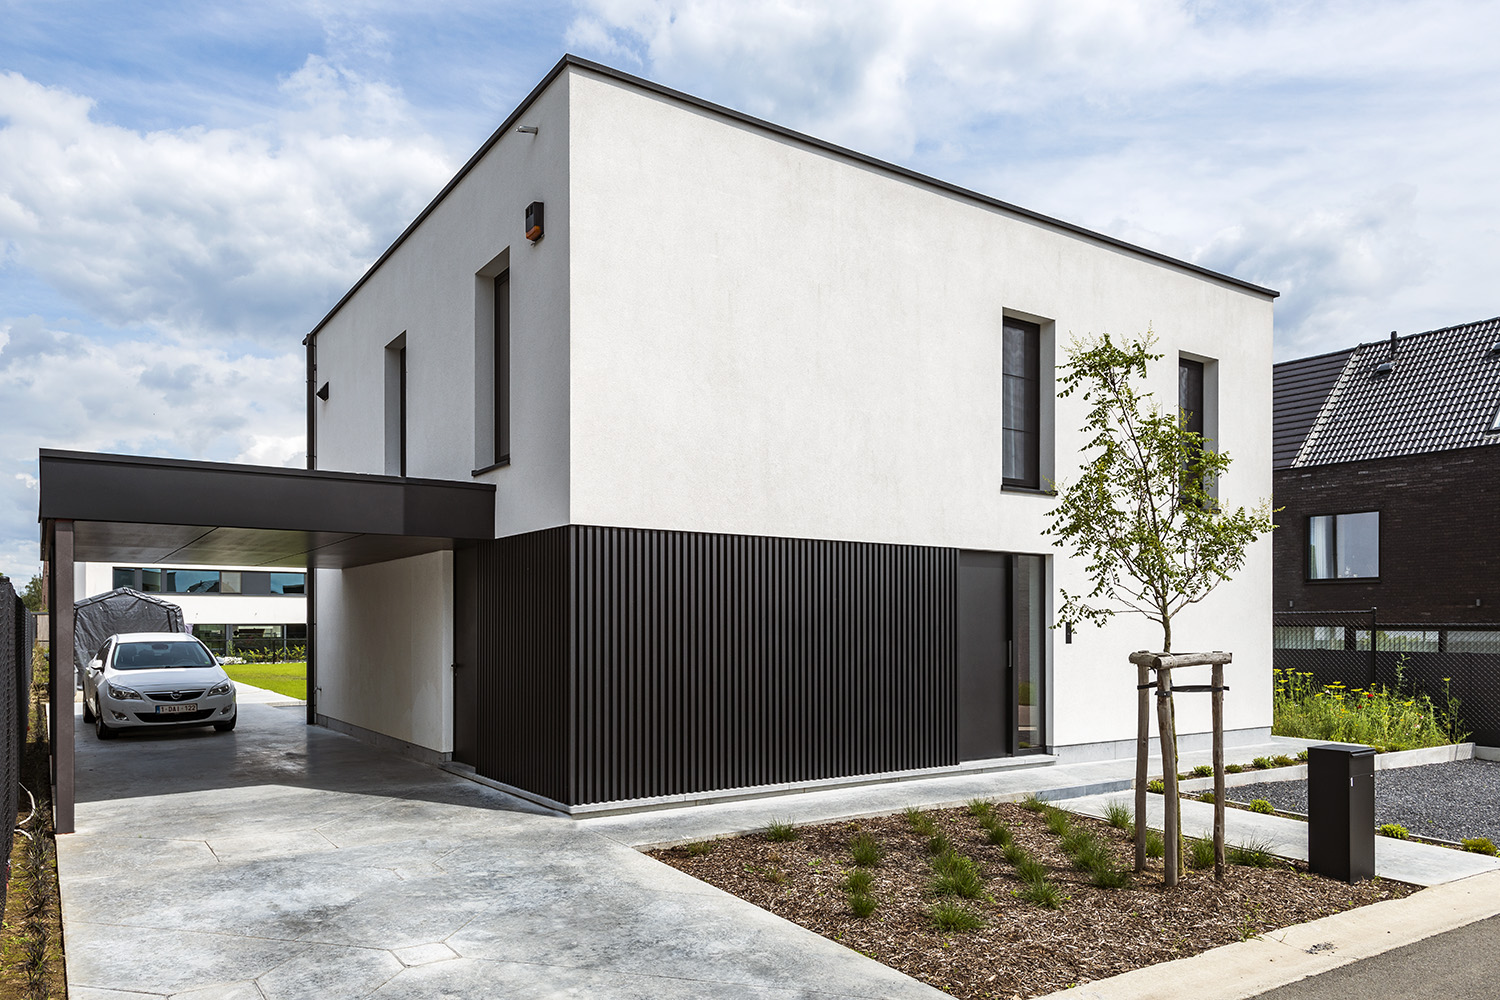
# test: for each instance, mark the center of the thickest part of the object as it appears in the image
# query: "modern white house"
(771, 428)
(231, 608)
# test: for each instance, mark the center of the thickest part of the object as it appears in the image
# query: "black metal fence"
(17, 632)
(1360, 650)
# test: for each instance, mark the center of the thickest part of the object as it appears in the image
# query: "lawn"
(289, 679)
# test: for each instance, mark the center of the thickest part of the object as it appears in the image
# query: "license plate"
(191, 706)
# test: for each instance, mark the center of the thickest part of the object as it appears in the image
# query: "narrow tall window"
(502, 369)
(1022, 438)
(1190, 394)
(395, 407)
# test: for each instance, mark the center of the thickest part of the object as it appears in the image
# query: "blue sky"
(185, 188)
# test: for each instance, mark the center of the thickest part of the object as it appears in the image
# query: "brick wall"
(1439, 535)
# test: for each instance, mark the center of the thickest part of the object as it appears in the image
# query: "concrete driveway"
(285, 861)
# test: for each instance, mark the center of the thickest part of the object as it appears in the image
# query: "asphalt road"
(1462, 964)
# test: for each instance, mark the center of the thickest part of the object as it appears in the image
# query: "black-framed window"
(502, 369)
(1021, 364)
(253, 583)
(1343, 546)
(1190, 394)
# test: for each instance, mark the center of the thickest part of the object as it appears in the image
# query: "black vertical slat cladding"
(718, 661)
(524, 693)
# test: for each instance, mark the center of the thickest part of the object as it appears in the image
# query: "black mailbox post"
(1341, 811)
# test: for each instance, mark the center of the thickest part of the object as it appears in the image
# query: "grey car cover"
(97, 618)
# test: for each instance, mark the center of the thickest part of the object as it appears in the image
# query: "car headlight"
(219, 689)
(119, 693)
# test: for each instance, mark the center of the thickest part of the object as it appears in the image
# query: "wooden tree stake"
(1142, 753)
(1218, 708)
(1172, 820)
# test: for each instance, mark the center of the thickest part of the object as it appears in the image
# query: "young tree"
(1144, 518)
(1142, 514)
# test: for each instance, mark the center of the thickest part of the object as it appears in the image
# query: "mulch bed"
(1022, 950)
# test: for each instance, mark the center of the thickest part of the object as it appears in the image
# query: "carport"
(97, 508)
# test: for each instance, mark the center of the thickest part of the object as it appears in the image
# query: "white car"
(144, 680)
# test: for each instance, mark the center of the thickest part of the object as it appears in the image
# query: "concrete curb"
(1247, 968)
(1383, 762)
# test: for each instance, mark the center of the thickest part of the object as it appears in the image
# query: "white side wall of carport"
(770, 339)
(385, 648)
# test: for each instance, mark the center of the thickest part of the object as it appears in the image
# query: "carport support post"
(64, 672)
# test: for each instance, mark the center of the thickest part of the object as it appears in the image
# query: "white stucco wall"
(767, 339)
(427, 290)
(207, 609)
(385, 648)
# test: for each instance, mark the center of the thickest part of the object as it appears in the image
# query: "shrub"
(1261, 806)
(1118, 815)
(1043, 893)
(957, 876)
(1233, 768)
(862, 904)
(1395, 831)
(950, 917)
(1264, 763)
(920, 821)
(1030, 869)
(1203, 770)
(866, 851)
(1201, 852)
(858, 881)
(1394, 718)
(1480, 845)
(981, 808)
(1252, 854)
(1057, 821)
(1156, 785)
(1155, 846)
(782, 831)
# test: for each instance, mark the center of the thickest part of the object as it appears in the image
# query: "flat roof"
(578, 62)
(170, 511)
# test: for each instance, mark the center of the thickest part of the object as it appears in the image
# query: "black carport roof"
(161, 510)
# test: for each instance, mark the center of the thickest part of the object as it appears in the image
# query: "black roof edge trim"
(283, 470)
(1315, 357)
(569, 59)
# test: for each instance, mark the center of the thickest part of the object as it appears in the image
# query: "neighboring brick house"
(1386, 470)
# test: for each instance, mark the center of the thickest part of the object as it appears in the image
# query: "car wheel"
(88, 713)
(225, 727)
(102, 731)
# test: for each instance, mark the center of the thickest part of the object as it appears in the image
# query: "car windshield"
(156, 655)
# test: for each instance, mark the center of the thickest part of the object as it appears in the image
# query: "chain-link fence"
(1358, 649)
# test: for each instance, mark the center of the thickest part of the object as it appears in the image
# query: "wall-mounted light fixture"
(534, 228)
(527, 129)
(323, 392)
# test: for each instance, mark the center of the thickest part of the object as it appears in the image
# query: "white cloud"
(212, 231)
(152, 396)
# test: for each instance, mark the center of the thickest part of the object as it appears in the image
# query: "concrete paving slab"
(1402, 860)
(320, 866)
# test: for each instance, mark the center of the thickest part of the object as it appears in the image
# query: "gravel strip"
(1452, 800)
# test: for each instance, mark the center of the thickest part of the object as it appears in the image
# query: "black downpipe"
(311, 591)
